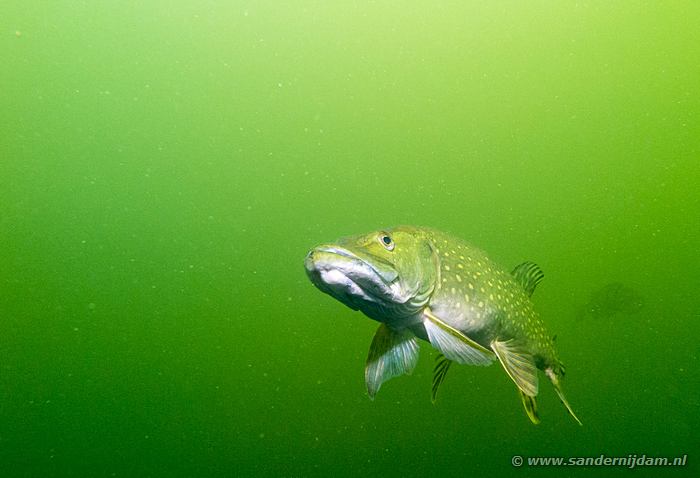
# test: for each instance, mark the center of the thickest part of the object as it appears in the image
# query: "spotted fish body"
(480, 299)
(420, 283)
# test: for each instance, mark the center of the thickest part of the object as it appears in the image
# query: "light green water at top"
(165, 166)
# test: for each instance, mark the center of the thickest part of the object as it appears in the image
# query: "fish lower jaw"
(340, 285)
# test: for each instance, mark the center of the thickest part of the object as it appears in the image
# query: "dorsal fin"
(528, 275)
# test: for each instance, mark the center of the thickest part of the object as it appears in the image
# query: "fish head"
(388, 274)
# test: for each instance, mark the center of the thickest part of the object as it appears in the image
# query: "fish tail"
(554, 378)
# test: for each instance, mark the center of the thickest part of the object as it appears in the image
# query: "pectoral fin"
(519, 365)
(442, 365)
(454, 344)
(391, 354)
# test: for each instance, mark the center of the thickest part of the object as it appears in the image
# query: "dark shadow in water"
(610, 300)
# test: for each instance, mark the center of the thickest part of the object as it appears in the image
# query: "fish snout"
(309, 260)
(313, 267)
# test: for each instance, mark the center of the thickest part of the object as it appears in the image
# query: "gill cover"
(417, 265)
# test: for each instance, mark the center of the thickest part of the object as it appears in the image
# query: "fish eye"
(386, 241)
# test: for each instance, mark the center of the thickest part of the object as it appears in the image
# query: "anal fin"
(530, 404)
(518, 364)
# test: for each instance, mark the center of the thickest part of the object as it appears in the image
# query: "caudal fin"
(557, 387)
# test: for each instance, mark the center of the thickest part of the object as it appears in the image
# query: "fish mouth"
(350, 278)
(339, 251)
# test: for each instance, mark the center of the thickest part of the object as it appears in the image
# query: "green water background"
(165, 166)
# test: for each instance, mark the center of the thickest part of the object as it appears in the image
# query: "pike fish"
(421, 283)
